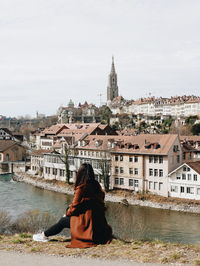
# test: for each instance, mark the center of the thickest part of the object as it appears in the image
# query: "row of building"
(166, 165)
(177, 107)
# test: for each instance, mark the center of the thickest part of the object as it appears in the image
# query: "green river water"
(128, 222)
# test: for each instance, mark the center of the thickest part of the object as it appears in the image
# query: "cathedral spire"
(113, 66)
(112, 89)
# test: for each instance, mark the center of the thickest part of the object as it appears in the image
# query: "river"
(128, 222)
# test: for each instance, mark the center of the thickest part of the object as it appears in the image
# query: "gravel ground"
(18, 259)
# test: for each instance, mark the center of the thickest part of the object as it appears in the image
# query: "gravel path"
(19, 259)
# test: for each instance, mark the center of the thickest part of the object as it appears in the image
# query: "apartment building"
(142, 163)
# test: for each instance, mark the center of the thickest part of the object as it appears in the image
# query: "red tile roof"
(5, 144)
(140, 144)
(195, 166)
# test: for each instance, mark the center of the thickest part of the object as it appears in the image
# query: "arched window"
(7, 157)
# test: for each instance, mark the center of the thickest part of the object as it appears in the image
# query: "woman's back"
(88, 223)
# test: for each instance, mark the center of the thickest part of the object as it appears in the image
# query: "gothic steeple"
(112, 89)
(113, 66)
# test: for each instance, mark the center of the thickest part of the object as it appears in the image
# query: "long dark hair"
(85, 174)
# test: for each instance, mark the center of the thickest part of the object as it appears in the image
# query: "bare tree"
(105, 171)
(65, 159)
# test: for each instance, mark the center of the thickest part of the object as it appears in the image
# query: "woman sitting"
(85, 216)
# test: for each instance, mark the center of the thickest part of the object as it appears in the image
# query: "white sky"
(54, 50)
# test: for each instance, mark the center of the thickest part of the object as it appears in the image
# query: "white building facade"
(184, 181)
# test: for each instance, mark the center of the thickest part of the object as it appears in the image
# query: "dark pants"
(55, 229)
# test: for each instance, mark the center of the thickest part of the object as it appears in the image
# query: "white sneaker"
(40, 237)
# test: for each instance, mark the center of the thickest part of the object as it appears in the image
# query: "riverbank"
(137, 251)
(125, 197)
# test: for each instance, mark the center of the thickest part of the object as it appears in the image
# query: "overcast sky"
(52, 51)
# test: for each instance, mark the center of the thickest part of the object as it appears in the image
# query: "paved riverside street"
(21, 259)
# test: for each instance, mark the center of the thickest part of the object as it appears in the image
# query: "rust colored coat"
(88, 224)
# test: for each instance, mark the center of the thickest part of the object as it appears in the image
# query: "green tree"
(105, 114)
(191, 119)
(196, 129)
(116, 126)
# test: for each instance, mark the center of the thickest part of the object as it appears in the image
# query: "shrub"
(33, 221)
(5, 222)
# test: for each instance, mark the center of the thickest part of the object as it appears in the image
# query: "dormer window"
(96, 143)
(175, 148)
(109, 144)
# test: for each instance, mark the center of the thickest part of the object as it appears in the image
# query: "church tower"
(112, 89)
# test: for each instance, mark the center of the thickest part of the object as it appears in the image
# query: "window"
(151, 172)
(136, 183)
(130, 182)
(160, 185)
(155, 185)
(136, 159)
(160, 172)
(150, 184)
(195, 177)
(198, 191)
(160, 159)
(183, 176)
(130, 171)
(190, 190)
(54, 171)
(176, 148)
(182, 189)
(116, 170)
(121, 170)
(121, 158)
(116, 158)
(189, 177)
(135, 171)
(174, 188)
(151, 159)
(121, 181)
(184, 168)
(62, 172)
(155, 172)
(178, 176)
(116, 180)
(155, 159)
(130, 159)
(178, 158)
